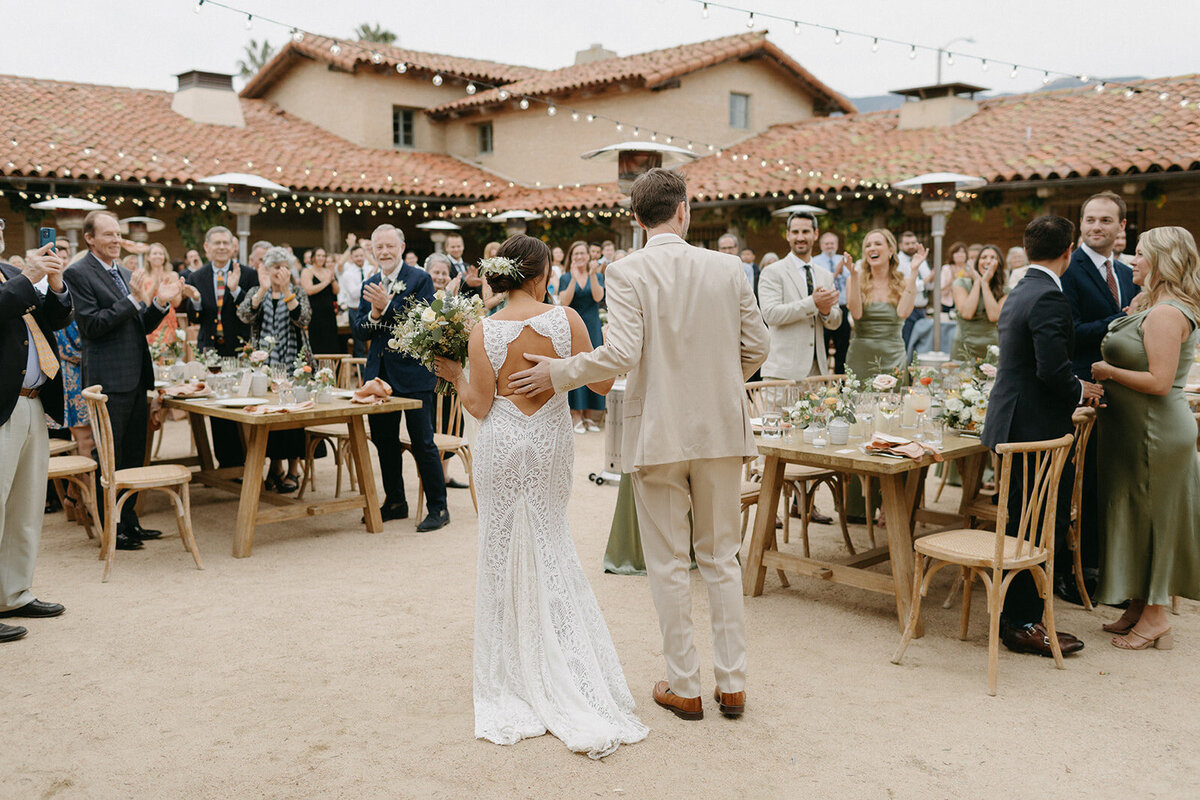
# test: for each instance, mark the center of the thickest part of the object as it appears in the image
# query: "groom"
(683, 322)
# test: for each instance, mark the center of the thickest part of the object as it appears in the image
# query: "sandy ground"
(337, 664)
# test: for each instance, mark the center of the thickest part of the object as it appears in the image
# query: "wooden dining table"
(901, 481)
(256, 428)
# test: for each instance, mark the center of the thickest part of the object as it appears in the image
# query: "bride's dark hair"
(527, 252)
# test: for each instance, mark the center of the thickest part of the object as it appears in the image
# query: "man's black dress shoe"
(435, 520)
(35, 608)
(139, 533)
(126, 542)
(10, 633)
(389, 511)
(1067, 589)
(455, 483)
(1036, 640)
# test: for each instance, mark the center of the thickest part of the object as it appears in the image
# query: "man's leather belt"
(30, 392)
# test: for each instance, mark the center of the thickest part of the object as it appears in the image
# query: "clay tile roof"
(1044, 135)
(354, 55)
(87, 131)
(566, 198)
(654, 69)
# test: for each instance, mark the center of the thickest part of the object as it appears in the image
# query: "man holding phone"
(30, 389)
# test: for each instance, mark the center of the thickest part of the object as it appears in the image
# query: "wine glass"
(889, 409)
(921, 400)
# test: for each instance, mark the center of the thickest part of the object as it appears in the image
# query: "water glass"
(932, 431)
(772, 425)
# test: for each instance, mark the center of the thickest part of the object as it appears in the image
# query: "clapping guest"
(880, 299)
(438, 266)
(275, 308)
(454, 251)
(192, 261)
(1017, 264)
(953, 270)
(158, 268)
(30, 389)
(839, 268)
(1149, 479)
(115, 310)
(320, 283)
(582, 288)
(978, 297)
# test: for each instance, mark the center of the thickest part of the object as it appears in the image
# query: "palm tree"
(366, 32)
(257, 55)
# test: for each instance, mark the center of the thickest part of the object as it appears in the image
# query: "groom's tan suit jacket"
(683, 322)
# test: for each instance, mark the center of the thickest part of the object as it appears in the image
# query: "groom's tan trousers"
(710, 488)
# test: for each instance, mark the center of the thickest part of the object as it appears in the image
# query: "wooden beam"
(834, 573)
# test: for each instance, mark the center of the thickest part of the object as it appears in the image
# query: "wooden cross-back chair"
(120, 486)
(994, 556)
(449, 439)
(67, 468)
(799, 482)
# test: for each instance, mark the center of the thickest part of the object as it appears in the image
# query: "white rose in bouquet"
(989, 370)
(978, 414)
(884, 383)
(972, 395)
(429, 316)
(954, 405)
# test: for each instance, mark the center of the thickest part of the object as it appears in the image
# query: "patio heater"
(139, 229)
(515, 221)
(243, 197)
(438, 229)
(635, 159)
(937, 201)
(68, 215)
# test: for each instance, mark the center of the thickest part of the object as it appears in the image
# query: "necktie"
(46, 358)
(116, 276)
(1112, 281)
(220, 303)
(808, 278)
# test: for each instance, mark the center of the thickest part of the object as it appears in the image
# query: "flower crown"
(498, 265)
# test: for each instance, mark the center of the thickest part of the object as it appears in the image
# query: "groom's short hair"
(1048, 237)
(656, 195)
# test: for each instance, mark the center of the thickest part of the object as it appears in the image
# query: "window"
(739, 110)
(485, 138)
(402, 127)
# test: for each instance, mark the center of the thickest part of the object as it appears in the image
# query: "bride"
(544, 660)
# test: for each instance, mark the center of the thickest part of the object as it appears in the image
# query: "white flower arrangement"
(325, 378)
(965, 408)
(259, 356)
(884, 383)
(498, 265)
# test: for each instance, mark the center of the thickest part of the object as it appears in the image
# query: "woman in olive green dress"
(879, 299)
(978, 298)
(1149, 475)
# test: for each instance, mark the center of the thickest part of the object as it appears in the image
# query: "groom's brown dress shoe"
(732, 704)
(1035, 639)
(682, 707)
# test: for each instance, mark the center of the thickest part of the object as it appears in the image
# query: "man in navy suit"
(1099, 289)
(1033, 399)
(213, 292)
(384, 297)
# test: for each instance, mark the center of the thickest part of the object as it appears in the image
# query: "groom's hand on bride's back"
(534, 380)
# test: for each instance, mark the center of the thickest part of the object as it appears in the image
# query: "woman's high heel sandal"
(1136, 641)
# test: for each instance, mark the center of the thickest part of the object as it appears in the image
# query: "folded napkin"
(272, 408)
(897, 446)
(188, 389)
(373, 391)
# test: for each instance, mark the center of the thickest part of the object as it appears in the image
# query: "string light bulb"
(750, 20)
(524, 103)
(703, 10)
(983, 63)
(401, 68)
(376, 57)
(1046, 78)
(551, 111)
(912, 52)
(574, 116)
(950, 59)
(1013, 74)
(199, 3)
(335, 48)
(471, 88)
(837, 36)
(437, 80)
(796, 28)
(249, 21)
(875, 45)
(503, 94)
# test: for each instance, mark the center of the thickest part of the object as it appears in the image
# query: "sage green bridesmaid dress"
(975, 334)
(876, 346)
(1149, 478)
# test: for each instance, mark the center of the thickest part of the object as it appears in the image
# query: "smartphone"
(47, 236)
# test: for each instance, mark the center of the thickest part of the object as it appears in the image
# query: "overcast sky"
(144, 43)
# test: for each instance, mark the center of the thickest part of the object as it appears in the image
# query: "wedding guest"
(1120, 243)
(582, 288)
(274, 307)
(556, 270)
(1099, 288)
(214, 291)
(728, 243)
(1033, 399)
(768, 259)
(257, 251)
(953, 270)
(115, 310)
(618, 254)
(607, 251)
(1149, 477)
(595, 251)
(158, 268)
(1017, 264)
(799, 304)
(30, 390)
(978, 298)
(438, 266)
(130, 262)
(753, 271)
(909, 245)
(454, 250)
(350, 281)
(320, 283)
(75, 413)
(384, 295)
(830, 260)
(192, 261)
(973, 251)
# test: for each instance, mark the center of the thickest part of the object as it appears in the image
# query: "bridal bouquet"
(439, 327)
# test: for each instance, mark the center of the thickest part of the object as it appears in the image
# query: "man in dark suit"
(213, 293)
(30, 388)
(1033, 399)
(384, 296)
(115, 311)
(1099, 288)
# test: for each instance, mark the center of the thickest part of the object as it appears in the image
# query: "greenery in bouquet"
(256, 354)
(965, 406)
(324, 378)
(440, 327)
(806, 410)
(167, 347)
(302, 367)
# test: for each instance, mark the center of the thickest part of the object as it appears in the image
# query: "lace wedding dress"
(544, 660)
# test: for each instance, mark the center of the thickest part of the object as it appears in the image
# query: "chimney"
(938, 106)
(593, 53)
(208, 97)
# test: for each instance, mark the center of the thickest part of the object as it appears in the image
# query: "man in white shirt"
(350, 283)
(909, 245)
(830, 259)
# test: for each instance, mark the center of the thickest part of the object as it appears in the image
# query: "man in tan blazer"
(799, 303)
(684, 324)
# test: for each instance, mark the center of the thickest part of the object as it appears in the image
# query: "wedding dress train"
(544, 660)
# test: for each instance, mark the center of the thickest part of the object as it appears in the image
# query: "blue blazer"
(1093, 306)
(403, 373)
